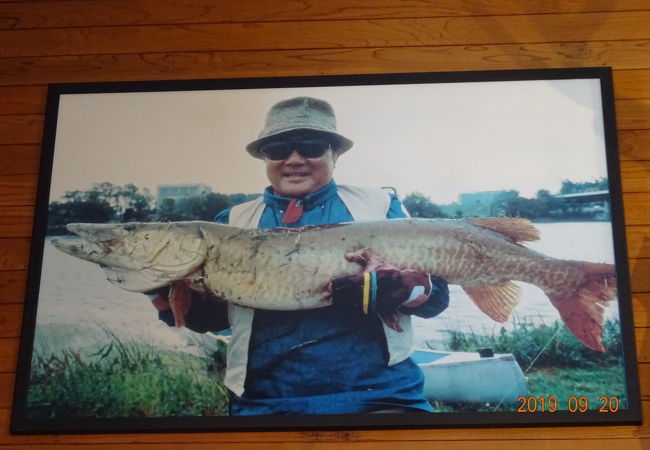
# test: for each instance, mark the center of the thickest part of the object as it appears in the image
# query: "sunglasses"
(277, 151)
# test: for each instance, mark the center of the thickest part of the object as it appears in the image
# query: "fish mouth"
(79, 247)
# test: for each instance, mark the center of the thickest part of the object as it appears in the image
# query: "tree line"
(509, 203)
(106, 202)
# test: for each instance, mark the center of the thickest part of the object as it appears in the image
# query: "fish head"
(138, 256)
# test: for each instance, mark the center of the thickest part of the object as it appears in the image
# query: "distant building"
(485, 197)
(595, 205)
(178, 191)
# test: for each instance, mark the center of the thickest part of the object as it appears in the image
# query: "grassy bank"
(555, 362)
(126, 379)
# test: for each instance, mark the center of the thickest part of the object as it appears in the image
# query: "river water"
(77, 304)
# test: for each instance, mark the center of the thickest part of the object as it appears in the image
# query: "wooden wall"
(56, 41)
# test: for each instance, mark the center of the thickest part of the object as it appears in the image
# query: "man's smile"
(296, 174)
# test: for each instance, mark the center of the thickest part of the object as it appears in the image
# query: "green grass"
(132, 379)
(592, 384)
(556, 364)
(126, 379)
(561, 349)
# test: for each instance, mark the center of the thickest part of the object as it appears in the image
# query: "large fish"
(288, 269)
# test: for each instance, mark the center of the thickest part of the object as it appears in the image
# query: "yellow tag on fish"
(366, 291)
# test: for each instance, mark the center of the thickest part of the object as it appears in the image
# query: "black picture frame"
(60, 129)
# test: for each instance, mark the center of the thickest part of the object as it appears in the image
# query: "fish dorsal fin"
(516, 228)
(496, 300)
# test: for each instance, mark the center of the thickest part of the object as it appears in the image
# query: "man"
(338, 359)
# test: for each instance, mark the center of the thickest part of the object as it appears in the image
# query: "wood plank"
(8, 354)
(326, 34)
(632, 54)
(633, 114)
(640, 275)
(638, 241)
(635, 175)
(634, 145)
(14, 253)
(642, 355)
(22, 99)
(631, 84)
(6, 389)
(637, 208)
(16, 221)
(21, 129)
(19, 159)
(641, 308)
(10, 320)
(42, 14)
(12, 286)
(17, 190)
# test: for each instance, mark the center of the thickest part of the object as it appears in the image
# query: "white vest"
(364, 204)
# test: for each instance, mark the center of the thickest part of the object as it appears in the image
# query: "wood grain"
(10, 320)
(21, 129)
(325, 34)
(638, 241)
(17, 190)
(22, 99)
(639, 270)
(41, 14)
(12, 286)
(631, 84)
(633, 114)
(633, 54)
(8, 354)
(16, 221)
(13, 253)
(634, 145)
(19, 159)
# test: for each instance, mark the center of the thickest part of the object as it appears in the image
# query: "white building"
(178, 191)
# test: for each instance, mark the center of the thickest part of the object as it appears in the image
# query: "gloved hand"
(384, 292)
(177, 297)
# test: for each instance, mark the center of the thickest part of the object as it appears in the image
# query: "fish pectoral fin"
(516, 228)
(496, 300)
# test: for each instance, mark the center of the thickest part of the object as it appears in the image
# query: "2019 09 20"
(573, 404)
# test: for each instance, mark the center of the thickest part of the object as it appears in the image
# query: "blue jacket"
(327, 361)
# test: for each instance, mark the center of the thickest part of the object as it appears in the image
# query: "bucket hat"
(299, 114)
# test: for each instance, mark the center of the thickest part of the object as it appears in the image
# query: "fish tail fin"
(583, 311)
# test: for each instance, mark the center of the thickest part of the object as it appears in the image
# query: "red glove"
(383, 292)
(177, 297)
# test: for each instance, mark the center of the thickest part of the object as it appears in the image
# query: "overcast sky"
(437, 139)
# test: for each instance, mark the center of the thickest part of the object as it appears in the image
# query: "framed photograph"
(406, 250)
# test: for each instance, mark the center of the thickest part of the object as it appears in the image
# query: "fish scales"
(288, 269)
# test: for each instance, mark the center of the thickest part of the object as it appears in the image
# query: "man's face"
(297, 176)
